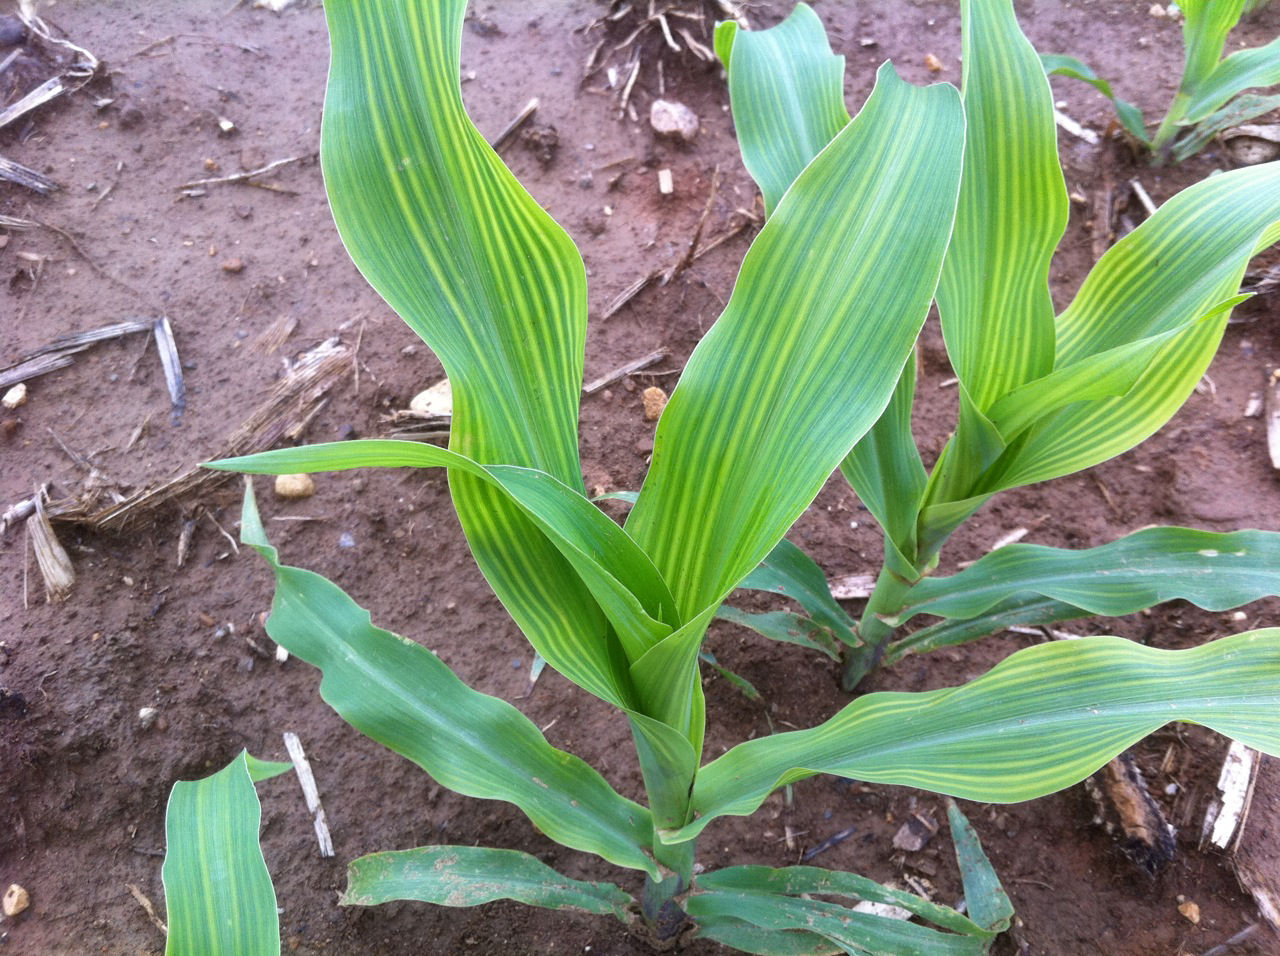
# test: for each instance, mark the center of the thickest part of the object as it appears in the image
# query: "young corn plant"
(1041, 395)
(800, 366)
(1211, 97)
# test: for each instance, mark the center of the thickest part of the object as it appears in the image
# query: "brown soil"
(83, 785)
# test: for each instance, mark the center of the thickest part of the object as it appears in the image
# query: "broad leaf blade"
(993, 300)
(1211, 570)
(1043, 719)
(827, 306)
(786, 88)
(1180, 265)
(1240, 71)
(451, 240)
(217, 890)
(786, 627)
(470, 875)
(403, 696)
(744, 937)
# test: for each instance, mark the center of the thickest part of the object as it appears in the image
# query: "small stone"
(666, 185)
(130, 117)
(16, 899)
(655, 400)
(295, 486)
(1157, 11)
(434, 401)
(12, 31)
(233, 266)
(933, 64)
(10, 427)
(346, 540)
(673, 119)
(644, 446)
(1190, 910)
(147, 717)
(15, 397)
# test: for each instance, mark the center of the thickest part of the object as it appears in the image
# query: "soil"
(83, 784)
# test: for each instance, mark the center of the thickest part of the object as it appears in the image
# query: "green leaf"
(786, 88)
(445, 233)
(1259, 66)
(619, 576)
(997, 317)
(216, 886)
(1041, 720)
(886, 471)
(1239, 110)
(745, 686)
(815, 881)
(1205, 26)
(788, 571)
(1211, 570)
(1181, 266)
(1129, 115)
(470, 875)
(748, 895)
(746, 937)
(786, 627)
(403, 696)
(825, 312)
(1024, 609)
(260, 770)
(984, 897)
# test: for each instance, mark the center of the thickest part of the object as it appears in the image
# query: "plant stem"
(887, 599)
(660, 899)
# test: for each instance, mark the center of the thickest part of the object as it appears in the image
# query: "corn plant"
(808, 353)
(1211, 97)
(1041, 396)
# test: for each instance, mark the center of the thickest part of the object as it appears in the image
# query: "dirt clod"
(655, 400)
(674, 120)
(294, 486)
(233, 265)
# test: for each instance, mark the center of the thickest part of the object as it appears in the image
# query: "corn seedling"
(1211, 97)
(1041, 395)
(800, 366)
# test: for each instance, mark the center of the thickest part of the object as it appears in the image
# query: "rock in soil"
(16, 899)
(295, 486)
(655, 400)
(673, 119)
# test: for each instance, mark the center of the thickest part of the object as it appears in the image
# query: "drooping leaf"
(985, 899)
(815, 881)
(1129, 115)
(1041, 720)
(786, 627)
(217, 890)
(745, 937)
(848, 929)
(747, 688)
(1211, 570)
(619, 576)
(1024, 609)
(1238, 111)
(786, 89)
(471, 875)
(403, 696)
(824, 315)
(788, 571)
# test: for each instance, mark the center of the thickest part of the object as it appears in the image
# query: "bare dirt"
(83, 785)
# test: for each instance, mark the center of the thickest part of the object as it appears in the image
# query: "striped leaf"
(824, 315)
(1179, 272)
(997, 317)
(1242, 70)
(217, 890)
(403, 696)
(786, 89)
(471, 875)
(445, 233)
(1043, 719)
(1024, 609)
(1211, 570)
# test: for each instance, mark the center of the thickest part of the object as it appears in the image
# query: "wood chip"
(1227, 814)
(852, 586)
(1271, 401)
(622, 371)
(55, 566)
(666, 184)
